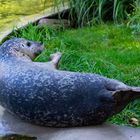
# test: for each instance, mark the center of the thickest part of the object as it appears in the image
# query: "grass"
(109, 50)
(88, 12)
(134, 20)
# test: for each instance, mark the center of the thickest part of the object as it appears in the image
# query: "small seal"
(39, 93)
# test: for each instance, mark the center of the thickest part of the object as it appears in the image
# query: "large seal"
(41, 94)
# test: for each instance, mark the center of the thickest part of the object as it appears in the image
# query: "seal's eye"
(22, 45)
(28, 44)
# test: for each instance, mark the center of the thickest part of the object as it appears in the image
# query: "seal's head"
(30, 48)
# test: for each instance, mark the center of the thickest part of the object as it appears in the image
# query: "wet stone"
(54, 22)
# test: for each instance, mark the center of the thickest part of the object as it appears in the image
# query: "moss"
(17, 137)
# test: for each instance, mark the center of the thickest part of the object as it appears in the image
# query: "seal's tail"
(131, 92)
(135, 92)
(125, 96)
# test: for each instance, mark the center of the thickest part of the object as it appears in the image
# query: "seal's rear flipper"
(136, 89)
(125, 96)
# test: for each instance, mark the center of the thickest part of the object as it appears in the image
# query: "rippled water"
(13, 10)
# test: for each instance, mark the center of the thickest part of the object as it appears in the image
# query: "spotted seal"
(39, 93)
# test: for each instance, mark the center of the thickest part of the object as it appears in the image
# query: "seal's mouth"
(36, 55)
(39, 51)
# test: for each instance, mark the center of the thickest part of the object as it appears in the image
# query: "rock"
(11, 125)
(54, 22)
(134, 121)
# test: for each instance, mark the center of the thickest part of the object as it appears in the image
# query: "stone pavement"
(11, 124)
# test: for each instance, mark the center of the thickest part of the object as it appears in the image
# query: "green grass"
(88, 12)
(134, 20)
(109, 50)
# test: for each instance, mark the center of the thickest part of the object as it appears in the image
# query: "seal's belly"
(56, 98)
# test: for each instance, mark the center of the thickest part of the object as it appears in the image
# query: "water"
(12, 10)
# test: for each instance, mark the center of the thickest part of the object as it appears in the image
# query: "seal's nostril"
(39, 51)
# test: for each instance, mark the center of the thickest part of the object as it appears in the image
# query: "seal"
(39, 93)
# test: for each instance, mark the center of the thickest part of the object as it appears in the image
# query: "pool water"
(12, 10)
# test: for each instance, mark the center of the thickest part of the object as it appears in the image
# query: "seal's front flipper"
(55, 59)
(125, 96)
(52, 64)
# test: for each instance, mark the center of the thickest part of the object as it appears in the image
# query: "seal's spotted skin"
(43, 95)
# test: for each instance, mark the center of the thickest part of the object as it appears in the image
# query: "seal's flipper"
(55, 59)
(125, 96)
(136, 89)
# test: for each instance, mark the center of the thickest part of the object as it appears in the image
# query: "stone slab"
(10, 124)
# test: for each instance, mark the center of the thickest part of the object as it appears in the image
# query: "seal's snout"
(39, 51)
(40, 45)
(40, 48)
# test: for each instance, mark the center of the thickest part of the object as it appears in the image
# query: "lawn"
(109, 50)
